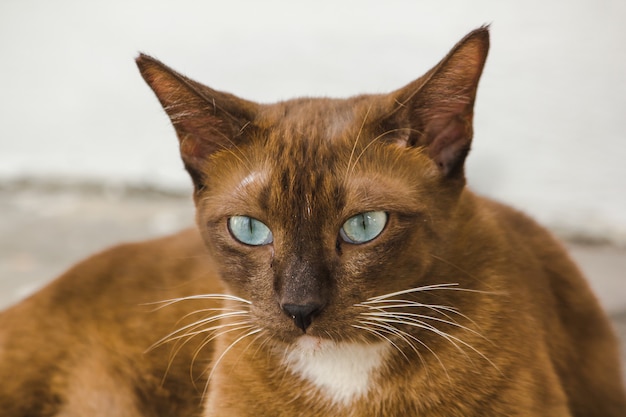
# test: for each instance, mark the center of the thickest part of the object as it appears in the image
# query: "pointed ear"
(205, 120)
(438, 107)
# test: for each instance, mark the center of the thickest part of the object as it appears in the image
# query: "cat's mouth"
(287, 329)
(307, 347)
(323, 330)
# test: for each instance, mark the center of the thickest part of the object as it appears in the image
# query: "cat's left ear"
(438, 107)
(206, 120)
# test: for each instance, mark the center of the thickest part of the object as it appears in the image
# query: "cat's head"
(312, 207)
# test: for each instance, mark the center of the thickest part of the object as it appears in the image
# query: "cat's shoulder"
(82, 335)
(513, 234)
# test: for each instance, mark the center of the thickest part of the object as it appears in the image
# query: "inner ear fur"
(205, 120)
(437, 109)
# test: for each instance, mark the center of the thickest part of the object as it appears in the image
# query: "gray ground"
(43, 230)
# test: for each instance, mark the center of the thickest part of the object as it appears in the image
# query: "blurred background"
(87, 156)
(550, 116)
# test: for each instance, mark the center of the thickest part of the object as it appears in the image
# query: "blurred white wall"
(550, 118)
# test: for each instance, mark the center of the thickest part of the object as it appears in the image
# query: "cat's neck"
(316, 374)
(340, 372)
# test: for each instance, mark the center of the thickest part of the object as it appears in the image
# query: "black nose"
(302, 315)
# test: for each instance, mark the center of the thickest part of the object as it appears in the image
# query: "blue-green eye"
(363, 227)
(249, 231)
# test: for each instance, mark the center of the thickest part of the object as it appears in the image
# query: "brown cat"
(360, 277)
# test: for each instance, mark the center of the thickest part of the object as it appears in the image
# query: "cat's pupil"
(363, 227)
(250, 231)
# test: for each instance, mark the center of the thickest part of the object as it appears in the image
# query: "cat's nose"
(302, 315)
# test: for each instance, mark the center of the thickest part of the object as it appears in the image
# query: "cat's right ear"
(205, 120)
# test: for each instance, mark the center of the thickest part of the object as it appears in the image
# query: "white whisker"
(191, 334)
(377, 138)
(176, 334)
(450, 338)
(208, 339)
(383, 337)
(219, 359)
(180, 343)
(223, 297)
(185, 334)
(449, 286)
(206, 310)
(421, 325)
(416, 317)
(356, 141)
(394, 330)
(388, 313)
(385, 305)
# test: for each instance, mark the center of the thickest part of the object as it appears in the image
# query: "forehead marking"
(249, 179)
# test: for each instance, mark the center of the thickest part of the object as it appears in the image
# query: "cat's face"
(318, 211)
(317, 207)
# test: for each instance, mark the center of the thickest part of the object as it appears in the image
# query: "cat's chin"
(304, 346)
(315, 340)
(340, 370)
(319, 335)
(308, 345)
(311, 345)
(309, 342)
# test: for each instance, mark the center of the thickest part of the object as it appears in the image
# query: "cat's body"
(79, 347)
(362, 277)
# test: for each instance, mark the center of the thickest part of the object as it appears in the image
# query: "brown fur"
(77, 347)
(515, 330)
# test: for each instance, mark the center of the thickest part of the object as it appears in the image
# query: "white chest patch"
(342, 371)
